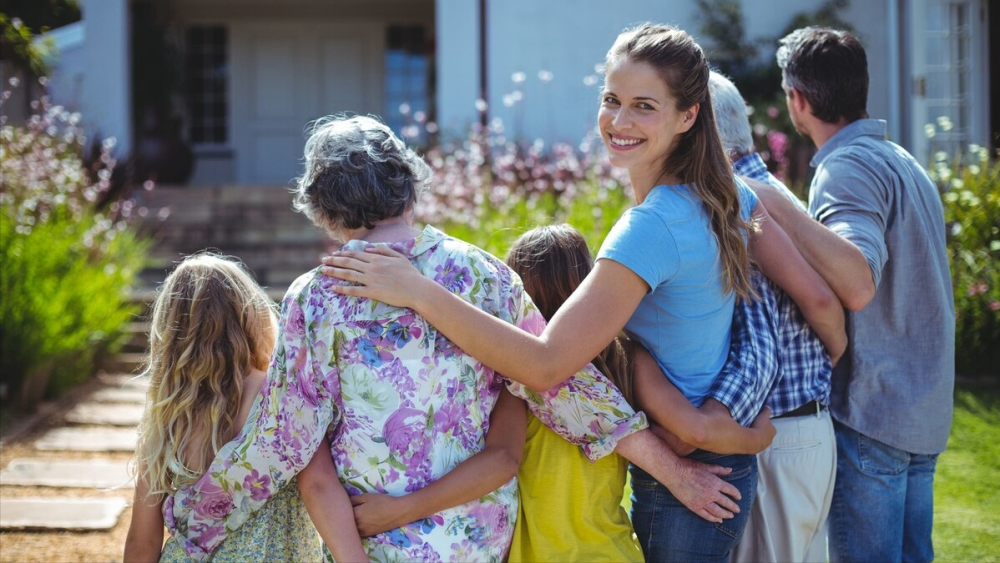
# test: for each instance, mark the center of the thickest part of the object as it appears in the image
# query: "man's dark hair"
(829, 67)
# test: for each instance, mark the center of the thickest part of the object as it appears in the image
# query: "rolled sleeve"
(752, 367)
(848, 198)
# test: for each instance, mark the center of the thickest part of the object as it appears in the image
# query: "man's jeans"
(668, 531)
(883, 502)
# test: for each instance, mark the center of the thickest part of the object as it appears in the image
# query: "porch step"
(253, 223)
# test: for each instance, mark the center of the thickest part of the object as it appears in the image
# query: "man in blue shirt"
(891, 396)
(796, 474)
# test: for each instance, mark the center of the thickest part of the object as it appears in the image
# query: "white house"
(258, 70)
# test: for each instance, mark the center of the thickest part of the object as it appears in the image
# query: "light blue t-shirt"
(686, 318)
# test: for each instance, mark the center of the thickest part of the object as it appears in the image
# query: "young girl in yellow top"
(212, 333)
(570, 507)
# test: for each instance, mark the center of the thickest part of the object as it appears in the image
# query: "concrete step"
(80, 474)
(61, 513)
(88, 439)
(106, 414)
(120, 395)
(125, 362)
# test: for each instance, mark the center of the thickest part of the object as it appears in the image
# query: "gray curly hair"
(358, 172)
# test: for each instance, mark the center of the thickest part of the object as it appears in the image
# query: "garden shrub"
(971, 196)
(490, 203)
(67, 266)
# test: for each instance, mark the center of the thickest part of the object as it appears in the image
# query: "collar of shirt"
(411, 248)
(851, 131)
(752, 166)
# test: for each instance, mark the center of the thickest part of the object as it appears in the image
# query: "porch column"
(107, 101)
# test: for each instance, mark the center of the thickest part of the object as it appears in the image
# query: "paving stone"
(120, 414)
(94, 473)
(61, 513)
(126, 381)
(89, 440)
(119, 395)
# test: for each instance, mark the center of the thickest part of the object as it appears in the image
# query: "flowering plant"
(66, 265)
(488, 189)
(970, 184)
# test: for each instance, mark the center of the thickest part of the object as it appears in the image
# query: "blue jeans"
(668, 531)
(883, 501)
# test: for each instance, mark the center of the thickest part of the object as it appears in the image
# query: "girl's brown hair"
(699, 159)
(211, 324)
(552, 262)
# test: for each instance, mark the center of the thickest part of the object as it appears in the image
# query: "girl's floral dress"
(400, 405)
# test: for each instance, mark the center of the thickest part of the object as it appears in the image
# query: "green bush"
(971, 184)
(67, 267)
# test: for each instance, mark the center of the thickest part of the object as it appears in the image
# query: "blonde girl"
(212, 332)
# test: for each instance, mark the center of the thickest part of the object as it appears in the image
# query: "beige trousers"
(794, 488)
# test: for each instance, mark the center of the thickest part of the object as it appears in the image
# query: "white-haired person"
(796, 473)
(398, 402)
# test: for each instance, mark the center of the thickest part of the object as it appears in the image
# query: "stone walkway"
(65, 487)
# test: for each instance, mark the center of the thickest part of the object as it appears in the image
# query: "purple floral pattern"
(400, 405)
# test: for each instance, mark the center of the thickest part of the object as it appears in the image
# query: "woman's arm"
(710, 427)
(780, 260)
(584, 325)
(330, 507)
(145, 532)
(472, 479)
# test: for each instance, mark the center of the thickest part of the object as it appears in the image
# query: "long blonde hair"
(699, 159)
(211, 325)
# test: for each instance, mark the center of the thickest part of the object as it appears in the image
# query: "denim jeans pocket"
(744, 478)
(877, 458)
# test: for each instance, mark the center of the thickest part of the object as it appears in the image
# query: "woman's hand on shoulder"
(378, 273)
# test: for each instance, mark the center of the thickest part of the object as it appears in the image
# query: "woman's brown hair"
(698, 160)
(552, 262)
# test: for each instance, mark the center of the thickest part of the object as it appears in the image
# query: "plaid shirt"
(804, 366)
(752, 368)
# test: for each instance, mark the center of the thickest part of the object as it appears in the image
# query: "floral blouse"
(400, 405)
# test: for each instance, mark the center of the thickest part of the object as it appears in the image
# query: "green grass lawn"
(966, 494)
(967, 483)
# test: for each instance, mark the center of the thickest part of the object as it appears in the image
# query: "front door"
(287, 74)
(949, 76)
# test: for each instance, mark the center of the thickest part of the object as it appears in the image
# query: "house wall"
(106, 98)
(569, 37)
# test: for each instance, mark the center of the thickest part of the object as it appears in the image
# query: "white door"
(287, 74)
(950, 76)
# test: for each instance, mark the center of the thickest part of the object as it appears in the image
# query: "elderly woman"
(399, 404)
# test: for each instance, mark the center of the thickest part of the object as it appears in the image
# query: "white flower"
(941, 156)
(518, 77)
(589, 80)
(944, 122)
(545, 76)
(404, 108)
(481, 105)
(929, 130)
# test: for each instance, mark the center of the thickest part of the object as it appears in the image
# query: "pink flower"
(258, 485)
(978, 288)
(994, 305)
(215, 503)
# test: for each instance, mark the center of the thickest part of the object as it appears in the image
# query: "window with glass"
(207, 83)
(948, 48)
(408, 80)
